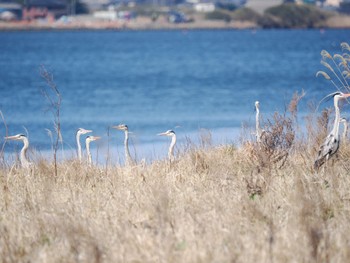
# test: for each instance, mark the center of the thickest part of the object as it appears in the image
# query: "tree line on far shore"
(281, 16)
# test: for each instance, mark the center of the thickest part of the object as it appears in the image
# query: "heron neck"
(126, 145)
(78, 145)
(335, 130)
(88, 152)
(171, 147)
(257, 124)
(23, 157)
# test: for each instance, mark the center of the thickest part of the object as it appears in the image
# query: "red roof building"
(50, 10)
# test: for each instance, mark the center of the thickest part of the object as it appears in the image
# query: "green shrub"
(292, 15)
(218, 15)
(246, 14)
(269, 21)
(227, 6)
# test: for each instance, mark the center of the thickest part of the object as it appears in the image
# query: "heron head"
(257, 105)
(83, 131)
(167, 133)
(121, 127)
(16, 137)
(336, 96)
(343, 120)
(329, 96)
(92, 138)
(343, 95)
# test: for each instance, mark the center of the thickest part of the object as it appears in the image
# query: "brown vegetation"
(210, 205)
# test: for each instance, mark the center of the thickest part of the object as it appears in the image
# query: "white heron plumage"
(258, 130)
(80, 131)
(23, 158)
(124, 127)
(332, 141)
(171, 134)
(88, 140)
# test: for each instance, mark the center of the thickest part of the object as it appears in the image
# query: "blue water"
(157, 80)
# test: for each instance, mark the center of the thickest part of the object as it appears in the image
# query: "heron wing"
(327, 149)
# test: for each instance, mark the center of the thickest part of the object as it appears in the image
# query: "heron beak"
(14, 137)
(117, 127)
(326, 98)
(97, 138)
(347, 95)
(161, 134)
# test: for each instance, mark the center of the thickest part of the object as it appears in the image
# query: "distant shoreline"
(142, 23)
(57, 29)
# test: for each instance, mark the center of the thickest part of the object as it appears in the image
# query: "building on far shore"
(204, 7)
(335, 3)
(10, 11)
(96, 5)
(45, 9)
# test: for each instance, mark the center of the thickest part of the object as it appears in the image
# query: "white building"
(204, 7)
(334, 3)
(106, 15)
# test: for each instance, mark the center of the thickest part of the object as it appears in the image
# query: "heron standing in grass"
(23, 158)
(80, 131)
(331, 144)
(87, 143)
(124, 127)
(171, 134)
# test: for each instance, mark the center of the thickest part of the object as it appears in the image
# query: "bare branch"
(53, 96)
(6, 134)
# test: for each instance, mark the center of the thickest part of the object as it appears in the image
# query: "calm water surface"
(157, 80)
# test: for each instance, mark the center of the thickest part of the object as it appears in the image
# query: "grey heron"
(87, 143)
(331, 143)
(124, 127)
(80, 131)
(23, 158)
(171, 134)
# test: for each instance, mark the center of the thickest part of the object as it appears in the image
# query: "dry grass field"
(213, 204)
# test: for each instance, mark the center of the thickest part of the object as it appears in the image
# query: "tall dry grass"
(213, 204)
